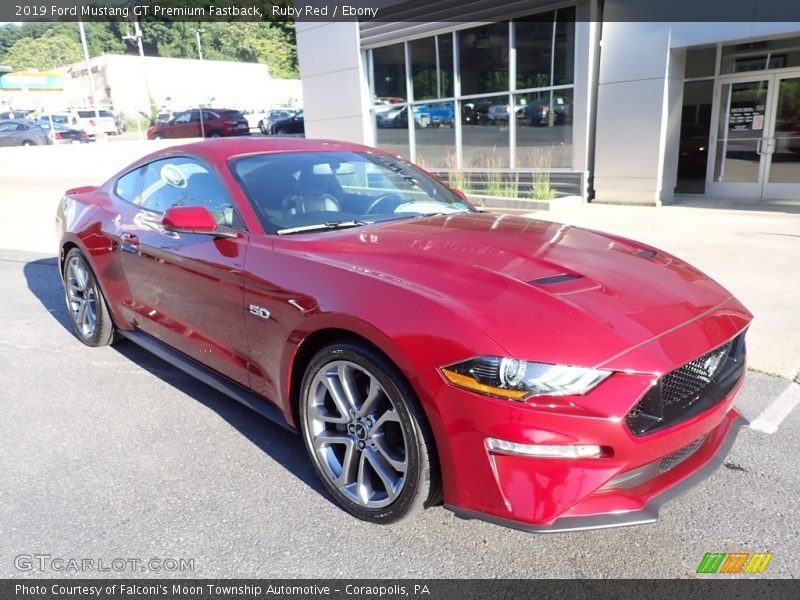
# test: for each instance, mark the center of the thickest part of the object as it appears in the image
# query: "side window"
(5, 127)
(128, 185)
(186, 182)
(207, 115)
(184, 118)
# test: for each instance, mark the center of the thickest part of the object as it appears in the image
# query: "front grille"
(690, 389)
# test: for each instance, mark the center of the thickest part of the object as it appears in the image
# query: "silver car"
(22, 133)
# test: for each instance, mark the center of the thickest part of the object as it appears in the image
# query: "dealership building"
(615, 107)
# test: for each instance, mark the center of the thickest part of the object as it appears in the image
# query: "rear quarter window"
(129, 185)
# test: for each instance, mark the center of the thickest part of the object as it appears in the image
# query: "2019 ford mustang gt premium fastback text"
(533, 374)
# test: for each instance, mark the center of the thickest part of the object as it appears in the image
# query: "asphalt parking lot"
(110, 453)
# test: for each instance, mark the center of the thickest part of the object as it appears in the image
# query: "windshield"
(303, 190)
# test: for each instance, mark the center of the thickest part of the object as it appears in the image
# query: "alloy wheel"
(81, 290)
(356, 434)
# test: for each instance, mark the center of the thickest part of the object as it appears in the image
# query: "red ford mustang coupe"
(528, 373)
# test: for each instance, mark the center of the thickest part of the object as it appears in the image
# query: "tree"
(43, 53)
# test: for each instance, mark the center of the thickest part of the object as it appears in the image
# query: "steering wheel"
(391, 196)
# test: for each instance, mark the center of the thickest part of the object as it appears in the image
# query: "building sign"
(746, 116)
(32, 80)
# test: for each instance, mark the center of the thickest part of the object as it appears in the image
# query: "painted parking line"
(772, 416)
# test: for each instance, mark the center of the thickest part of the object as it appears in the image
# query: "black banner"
(402, 589)
(422, 11)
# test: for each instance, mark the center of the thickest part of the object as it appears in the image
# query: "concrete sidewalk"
(755, 254)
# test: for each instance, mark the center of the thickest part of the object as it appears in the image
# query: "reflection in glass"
(483, 52)
(534, 35)
(432, 67)
(544, 129)
(394, 138)
(755, 56)
(484, 132)
(564, 50)
(695, 128)
(436, 144)
(389, 73)
(785, 167)
(741, 127)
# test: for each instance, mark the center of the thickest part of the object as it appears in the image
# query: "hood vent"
(646, 253)
(555, 279)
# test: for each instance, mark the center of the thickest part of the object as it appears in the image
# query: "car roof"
(222, 149)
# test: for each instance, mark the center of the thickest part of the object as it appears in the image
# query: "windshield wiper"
(324, 226)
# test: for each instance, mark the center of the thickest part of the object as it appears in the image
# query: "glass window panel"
(432, 67)
(389, 73)
(436, 143)
(756, 56)
(483, 52)
(534, 37)
(544, 129)
(484, 132)
(564, 50)
(695, 128)
(391, 128)
(785, 167)
(701, 62)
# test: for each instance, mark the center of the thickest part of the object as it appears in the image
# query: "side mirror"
(193, 219)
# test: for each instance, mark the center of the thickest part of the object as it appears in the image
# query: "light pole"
(197, 32)
(88, 69)
(137, 37)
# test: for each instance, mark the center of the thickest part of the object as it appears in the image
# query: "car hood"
(541, 290)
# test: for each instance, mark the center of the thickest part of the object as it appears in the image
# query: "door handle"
(129, 239)
(758, 146)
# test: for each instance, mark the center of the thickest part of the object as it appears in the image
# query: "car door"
(180, 126)
(186, 289)
(8, 133)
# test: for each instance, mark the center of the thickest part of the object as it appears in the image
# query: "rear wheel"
(87, 308)
(214, 134)
(280, 131)
(27, 143)
(366, 434)
(158, 136)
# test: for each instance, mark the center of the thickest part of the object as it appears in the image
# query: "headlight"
(516, 379)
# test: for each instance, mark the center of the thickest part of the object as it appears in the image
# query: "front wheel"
(366, 434)
(87, 308)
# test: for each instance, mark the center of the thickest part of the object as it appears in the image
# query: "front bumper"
(625, 484)
(714, 450)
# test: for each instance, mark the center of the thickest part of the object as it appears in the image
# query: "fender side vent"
(646, 253)
(555, 279)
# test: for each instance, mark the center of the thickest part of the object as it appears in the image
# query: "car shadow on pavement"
(281, 445)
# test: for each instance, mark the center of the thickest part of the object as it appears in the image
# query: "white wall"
(336, 99)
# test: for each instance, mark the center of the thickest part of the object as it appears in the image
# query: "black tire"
(104, 332)
(214, 134)
(421, 486)
(158, 136)
(261, 127)
(281, 131)
(27, 143)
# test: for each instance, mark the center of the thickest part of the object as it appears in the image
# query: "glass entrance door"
(756, 149)
(739, 161)
(783, 144)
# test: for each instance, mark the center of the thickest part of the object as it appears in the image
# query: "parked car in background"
(9, 114)
(271, 116)
(22, 133)
(292, 124)
(538, 113)
(441, 114)
(91, 121)
(398, 117)
(474, 113)
(63, 134)
(208, 122)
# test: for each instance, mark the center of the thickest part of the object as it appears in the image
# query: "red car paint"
(431, 292)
